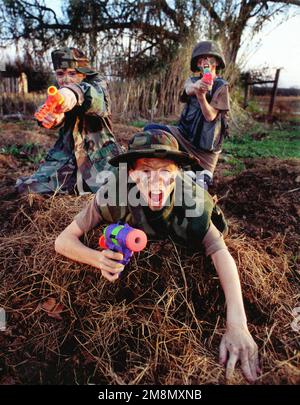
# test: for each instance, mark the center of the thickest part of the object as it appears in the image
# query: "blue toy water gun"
(124, 239)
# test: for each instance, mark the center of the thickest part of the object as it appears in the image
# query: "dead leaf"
(53, 308)
(49, 304)
(215, 199)
(297, 208)
(8, 161)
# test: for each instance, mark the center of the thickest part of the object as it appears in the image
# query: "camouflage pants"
(63, 173)
(52, 176)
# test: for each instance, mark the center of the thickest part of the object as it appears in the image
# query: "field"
(163, 321)
(285, 106)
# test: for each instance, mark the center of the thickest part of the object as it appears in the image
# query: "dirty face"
(155, 179)
(68, 76)
(207, 60)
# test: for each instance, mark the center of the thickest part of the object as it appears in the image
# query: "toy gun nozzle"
(52, 90)
(207, 76)
(136, 240)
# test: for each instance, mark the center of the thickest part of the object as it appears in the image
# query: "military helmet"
(65, 58)
(211, 48)
(154, 143)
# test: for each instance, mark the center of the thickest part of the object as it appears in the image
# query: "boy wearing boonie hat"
(154, 164)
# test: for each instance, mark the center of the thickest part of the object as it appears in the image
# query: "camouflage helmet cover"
(65, 58)
(153, 144)
(211, 48)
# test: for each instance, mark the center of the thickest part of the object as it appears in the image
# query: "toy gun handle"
(52, 104)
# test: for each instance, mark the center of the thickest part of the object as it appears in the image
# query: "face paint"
(155, 179)
(68, 76)
(209, 61)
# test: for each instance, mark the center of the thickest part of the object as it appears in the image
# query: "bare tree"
(140, 34)
(228, 19)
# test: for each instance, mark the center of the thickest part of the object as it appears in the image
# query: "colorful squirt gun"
(207, 77)
(52, 105)
(124, 239)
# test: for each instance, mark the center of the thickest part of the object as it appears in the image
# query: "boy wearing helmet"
(154, 163)
(202, 125)
(85, 140)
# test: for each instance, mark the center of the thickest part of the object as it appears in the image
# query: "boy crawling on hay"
(162, 201)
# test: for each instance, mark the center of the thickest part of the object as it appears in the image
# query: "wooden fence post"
(274, 91)
(2, 69)
(22, 83)
(23, 89)
(246, 94)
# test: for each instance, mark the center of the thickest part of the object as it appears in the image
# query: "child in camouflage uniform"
(203, 124)
(154, 163)
(85, 141)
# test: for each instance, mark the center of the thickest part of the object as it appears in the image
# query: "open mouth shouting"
(156, 198)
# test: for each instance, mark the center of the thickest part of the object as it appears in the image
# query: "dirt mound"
(124, 132)
(264, 198)
(161, 323)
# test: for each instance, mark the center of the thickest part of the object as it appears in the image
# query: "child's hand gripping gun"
(123, 239)
(52, 105)
(207, 77)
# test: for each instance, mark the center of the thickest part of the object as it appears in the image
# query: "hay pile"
(161, 323)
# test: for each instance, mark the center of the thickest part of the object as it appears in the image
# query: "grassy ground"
(258, 142)
(275, 143)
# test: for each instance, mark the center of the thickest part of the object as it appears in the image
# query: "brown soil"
(264, 199)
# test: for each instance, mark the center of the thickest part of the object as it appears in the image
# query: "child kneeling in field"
(203, 122)
(85, 141)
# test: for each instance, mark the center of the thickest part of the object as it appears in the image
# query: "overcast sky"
(279, 48)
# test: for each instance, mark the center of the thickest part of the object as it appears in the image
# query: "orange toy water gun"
(52, 105)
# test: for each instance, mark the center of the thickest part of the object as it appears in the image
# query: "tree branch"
(212, 12)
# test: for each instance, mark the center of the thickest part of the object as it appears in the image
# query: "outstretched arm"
(237, 340)
(68, 244)
(199, 89)
(53, 119)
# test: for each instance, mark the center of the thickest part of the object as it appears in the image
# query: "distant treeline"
(266, 91)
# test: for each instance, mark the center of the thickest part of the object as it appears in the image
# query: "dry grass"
(284, 107)
(23, 132)
(161, 323)
(22, 103)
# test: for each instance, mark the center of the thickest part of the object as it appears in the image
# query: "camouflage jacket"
(86, 133)
(83, 148)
